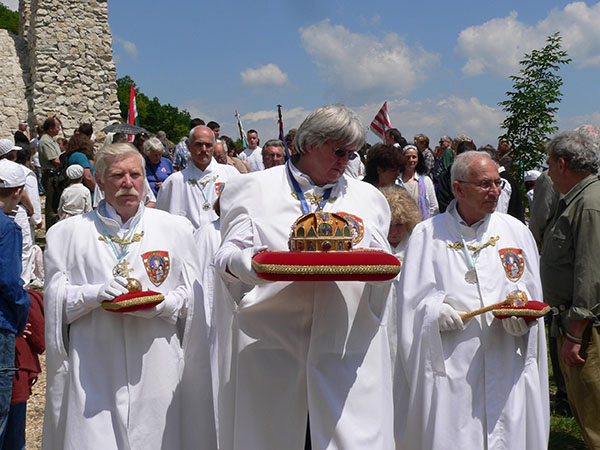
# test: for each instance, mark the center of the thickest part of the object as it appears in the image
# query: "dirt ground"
(35, 410)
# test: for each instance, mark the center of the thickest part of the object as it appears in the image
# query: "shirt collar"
(304, 181)
(202, 173)
(466, 229)
(111, 219)
(579, 188)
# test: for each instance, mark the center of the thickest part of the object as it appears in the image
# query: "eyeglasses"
(342, 152)
(486, 185)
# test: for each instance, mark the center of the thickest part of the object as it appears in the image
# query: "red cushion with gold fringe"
(355, 265)
(532, 310)
(133, 301)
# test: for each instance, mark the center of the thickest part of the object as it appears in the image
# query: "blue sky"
(442, 66)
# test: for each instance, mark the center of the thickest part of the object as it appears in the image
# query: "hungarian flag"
(381, 122)
(132, 115)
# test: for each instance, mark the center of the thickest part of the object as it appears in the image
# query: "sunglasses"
(342, 152)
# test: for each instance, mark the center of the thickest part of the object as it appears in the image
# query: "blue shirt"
(158, 172)
(82, 160)
(14, 300)
(182, 153)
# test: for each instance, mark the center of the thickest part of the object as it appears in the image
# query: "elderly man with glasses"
(310, 361)
(479, 382)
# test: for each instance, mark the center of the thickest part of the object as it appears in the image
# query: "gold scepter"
(515, 298)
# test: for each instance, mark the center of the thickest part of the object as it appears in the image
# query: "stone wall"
(14, 73)
(61, 66)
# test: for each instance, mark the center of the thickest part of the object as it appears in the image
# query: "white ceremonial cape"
(118, 381)
(181, 193)
(300, 349)
(28, 225)
(480, 388)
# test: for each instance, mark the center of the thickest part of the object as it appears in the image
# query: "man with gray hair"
(316, 350)
(273, 153)
(136, 377)
(486, 377)
(193, 191)
(569, 269)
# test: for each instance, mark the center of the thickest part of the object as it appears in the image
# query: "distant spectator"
(182, 152)
(215, 127)
(419, 186)
(76, 198)
(158, 168)
(253, 153)
(444, 155)
(289, 140)
(405, 216)
(273, 153)
(444, 191)
(22, 136)
(79, 149)
(383, 165)
(422, 143)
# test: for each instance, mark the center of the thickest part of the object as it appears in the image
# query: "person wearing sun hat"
(76, 198)
(14, 300)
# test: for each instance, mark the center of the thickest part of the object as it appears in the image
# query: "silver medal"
(471, 276)
(206, 206)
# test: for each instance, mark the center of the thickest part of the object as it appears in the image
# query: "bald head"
(201, 145)
(219, 153)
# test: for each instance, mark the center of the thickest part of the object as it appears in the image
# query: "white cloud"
(434, 117)
(129, 47)
(365, 67)
(268, 75)
(13, 5)
(498, 45)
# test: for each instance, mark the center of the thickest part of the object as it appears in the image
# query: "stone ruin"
(59, 65)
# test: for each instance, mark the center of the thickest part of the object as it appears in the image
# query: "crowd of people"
(229, 360)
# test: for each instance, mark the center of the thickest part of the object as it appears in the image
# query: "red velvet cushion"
(356, 265)
(133, 301)
(532, 310)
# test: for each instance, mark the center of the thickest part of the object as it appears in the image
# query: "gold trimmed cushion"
(355, 265)
(532, 310)
(133, 301)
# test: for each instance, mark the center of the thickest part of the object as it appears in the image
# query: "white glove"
(112, 288)
(449, 319)
(515, 326)
(240, 265)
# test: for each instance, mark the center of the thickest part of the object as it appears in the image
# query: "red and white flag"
(132, 115)
(381, 122)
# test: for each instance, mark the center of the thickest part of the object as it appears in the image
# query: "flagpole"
(241, 128)
(281, 134)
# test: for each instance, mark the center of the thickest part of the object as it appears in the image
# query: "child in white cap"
(76, 198)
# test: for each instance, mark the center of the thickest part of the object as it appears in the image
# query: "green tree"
(9, 20)
(153, 115)
(531, 104)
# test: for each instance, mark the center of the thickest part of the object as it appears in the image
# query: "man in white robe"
(303, 353)
(481, 383)
(137, 380)
(193, 191)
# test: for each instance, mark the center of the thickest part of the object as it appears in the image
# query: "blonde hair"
(403, 207)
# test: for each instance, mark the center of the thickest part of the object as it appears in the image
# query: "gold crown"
(320, 232)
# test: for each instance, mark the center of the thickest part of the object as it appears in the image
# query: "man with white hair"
(311, 362)
(138, 379)
(193, 191)
(481, 382)
(14, 301)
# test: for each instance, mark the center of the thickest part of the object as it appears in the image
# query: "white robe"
(116, 380)
(303, 348)
(28, 225)
(254, 158)
(181, 194)
(74, 200)
(480, 388)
